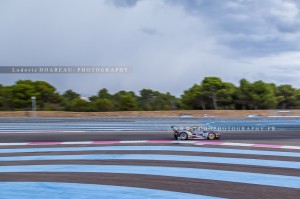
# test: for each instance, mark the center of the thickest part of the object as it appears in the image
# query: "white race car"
(194, 133)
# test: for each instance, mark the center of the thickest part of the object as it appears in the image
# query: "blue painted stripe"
(181, 158)
(29, 190)
(155, 148)
(208, 174)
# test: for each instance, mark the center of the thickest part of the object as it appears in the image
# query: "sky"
(169, 45)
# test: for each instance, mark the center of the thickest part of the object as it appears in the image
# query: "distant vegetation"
(211, 93)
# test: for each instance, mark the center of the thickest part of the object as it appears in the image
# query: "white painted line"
(290, 147)
(14, 144)
(85, 142)
(133, 141)
(236, 144)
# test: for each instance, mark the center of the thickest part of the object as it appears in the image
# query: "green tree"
(103, 104)
(126, 101)
(263, 95)
(6, 98)
(46, 93)
(103, 101)
(212, 93)
(150, 100)
(286, 96)
(104, 94)
(19, 95)
(243, 98)
(147, 99)
(69, 99)
(80, 105)
(211, 86)
(168, 101)
(297, 99)
(256, 95)
(2, 102)
(227, 95)
(70, 95)
(194, 98)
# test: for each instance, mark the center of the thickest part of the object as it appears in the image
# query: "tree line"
(210, 93)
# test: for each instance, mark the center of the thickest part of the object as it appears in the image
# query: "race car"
(194, 133)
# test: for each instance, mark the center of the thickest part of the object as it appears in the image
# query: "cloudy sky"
(169, 44)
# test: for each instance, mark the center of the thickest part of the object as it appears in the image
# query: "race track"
(138, 158)
(271, 130)
(277, 137)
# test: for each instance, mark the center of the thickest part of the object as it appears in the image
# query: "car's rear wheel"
(211, 136)
(183, 136)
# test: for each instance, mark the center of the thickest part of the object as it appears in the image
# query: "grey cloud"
(290, 69)
(149, 31)
(250, 47)
(196, 39)
(284, 79)
(123, 3)
(252, 18)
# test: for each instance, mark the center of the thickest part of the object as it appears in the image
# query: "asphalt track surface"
(277, 137)
(146, 170)
(271, 130)
(250, 173)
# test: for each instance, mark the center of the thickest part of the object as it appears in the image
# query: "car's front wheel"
(211, 136)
